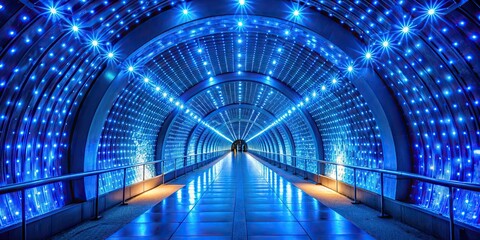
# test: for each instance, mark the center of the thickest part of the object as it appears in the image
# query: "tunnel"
(239, 146)
(377, 101)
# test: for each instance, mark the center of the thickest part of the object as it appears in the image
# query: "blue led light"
(75, 28)
(296, 12)
(432, 11)
(368, 55)
(53, 10)
(350, 68)
(385, 44)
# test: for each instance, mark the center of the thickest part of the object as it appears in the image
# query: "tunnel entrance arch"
(239, 146)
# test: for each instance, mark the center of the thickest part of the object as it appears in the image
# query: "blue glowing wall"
(427, 54)
(130, 134)
(44, 73)
(349, 132)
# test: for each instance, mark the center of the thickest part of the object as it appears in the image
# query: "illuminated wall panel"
(45, 72)
(428, 59)
(176, 142)
(349, 133)
(130, 134)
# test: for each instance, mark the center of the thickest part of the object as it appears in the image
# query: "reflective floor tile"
(307, 207)
(343, 237)
(219, 194)
(214, 208)
(171, 208)
(287, 237)
(160, 218)
(309, 216)
(284, 216)
(178, 201)
(216, 201)
(158, 230)
(210, 217)
(202, 238)
(205, 229)
(136, 238)
(274, 228)
(263, 200)
(260, 195)
(265, 207)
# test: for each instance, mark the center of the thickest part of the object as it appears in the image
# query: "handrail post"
(175, 168)
(336, 177)
(185, 164)
(294, 163)
(24, 216)
(144, 172)
(193, 160)
(124, 184)
(305, 176)
(97, 199)
(285, 162)
(163, 171)
(382, 198)
(355, 187)
(318, 171)
(450, 213)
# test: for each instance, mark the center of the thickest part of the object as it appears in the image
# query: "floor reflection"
(240, 198)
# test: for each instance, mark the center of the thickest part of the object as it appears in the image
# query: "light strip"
(216, 131)
(271, 125)
(264, 130)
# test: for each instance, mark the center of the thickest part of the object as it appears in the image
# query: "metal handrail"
(16, 187)
(445, 183)
(450, 184)
(22, 187)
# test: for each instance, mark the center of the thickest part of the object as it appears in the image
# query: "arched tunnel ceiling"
(383, 84)
(246, 109)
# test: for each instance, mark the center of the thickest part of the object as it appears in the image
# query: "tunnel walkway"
(240, 199)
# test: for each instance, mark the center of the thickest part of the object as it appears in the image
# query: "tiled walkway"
(239, 198)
